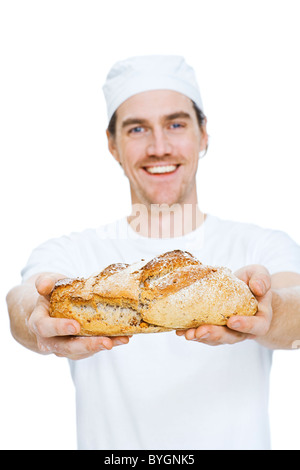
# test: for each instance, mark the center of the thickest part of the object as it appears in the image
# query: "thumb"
(257, 277)
(45, 282)
(259, 285)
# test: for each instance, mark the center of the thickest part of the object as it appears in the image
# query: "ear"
(204, 137)
(112, 146)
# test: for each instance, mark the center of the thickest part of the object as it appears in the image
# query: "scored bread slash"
(172, 291)
(104, 304)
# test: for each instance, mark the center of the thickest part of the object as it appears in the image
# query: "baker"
(160, 391)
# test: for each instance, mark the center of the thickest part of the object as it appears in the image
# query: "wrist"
(277, 300)
(271, 339)
(285, 329)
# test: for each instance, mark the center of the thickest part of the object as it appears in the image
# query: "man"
(160, 392)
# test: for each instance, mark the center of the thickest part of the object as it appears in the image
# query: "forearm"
(284, 332)
(21, 301)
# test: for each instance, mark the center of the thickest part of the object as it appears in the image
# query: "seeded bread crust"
(172, 291)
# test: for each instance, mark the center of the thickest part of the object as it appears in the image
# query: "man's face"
(157, 142)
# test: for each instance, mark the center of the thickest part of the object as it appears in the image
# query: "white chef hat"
(152, 72)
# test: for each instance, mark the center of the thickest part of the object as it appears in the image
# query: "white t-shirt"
(161, 391)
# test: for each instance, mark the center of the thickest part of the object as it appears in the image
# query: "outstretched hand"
(240, 328)
(57, 335)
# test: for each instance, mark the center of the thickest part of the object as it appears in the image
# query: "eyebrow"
(178, 115)
(131, 121)
(169, 117)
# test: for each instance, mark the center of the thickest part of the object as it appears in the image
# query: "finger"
(80, 347)
(75, 346)
(214, 335)
(45, 283)
(180, 332)
(45, 326)
(118, 340)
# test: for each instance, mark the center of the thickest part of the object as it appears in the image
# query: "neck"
(165, 221)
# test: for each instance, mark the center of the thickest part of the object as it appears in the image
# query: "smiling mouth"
(161, 169)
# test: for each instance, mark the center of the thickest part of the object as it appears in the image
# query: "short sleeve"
(51, 256)
(278, 252)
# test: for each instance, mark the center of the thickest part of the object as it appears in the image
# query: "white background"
(57, 175)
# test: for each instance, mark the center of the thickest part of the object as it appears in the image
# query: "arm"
(21, 301)
(277, 323)
(284, 331)
(31, 325)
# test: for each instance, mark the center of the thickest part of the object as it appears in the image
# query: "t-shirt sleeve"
(278, 252)
(51, 256)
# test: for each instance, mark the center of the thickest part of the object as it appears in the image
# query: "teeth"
(161, 169)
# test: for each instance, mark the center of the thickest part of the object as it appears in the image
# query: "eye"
(137, 130)
(176, 125)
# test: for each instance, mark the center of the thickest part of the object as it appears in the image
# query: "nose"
(159, 145)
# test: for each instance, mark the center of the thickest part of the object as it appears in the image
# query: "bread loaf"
(172, 291)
